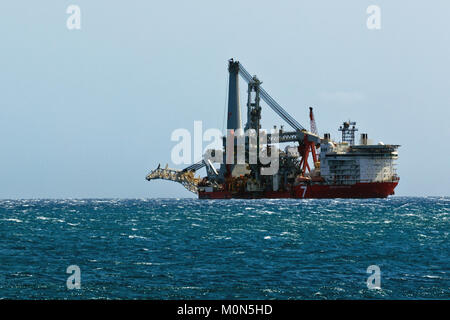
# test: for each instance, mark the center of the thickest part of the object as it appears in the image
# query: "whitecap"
(134, 236)
(432, 277)
(13, 220)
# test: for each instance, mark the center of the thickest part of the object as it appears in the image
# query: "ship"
(298, 163)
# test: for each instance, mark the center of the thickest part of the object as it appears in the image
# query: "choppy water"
(234, 249)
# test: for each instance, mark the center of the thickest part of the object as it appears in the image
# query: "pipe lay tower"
(234, 107)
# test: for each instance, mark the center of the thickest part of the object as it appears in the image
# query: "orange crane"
(313, 122)
(309, 147)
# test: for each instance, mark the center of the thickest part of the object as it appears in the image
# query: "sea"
(394, 248)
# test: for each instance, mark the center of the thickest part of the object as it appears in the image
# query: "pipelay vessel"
(314, 167)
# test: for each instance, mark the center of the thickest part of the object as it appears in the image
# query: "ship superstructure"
(254, 163)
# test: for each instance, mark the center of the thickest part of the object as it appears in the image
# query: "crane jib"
(271, 102)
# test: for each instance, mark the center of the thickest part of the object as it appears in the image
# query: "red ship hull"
(313, 191)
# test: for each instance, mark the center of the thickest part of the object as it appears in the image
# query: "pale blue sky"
(87, 113)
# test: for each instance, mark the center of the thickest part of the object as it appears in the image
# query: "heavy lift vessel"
(316, 167)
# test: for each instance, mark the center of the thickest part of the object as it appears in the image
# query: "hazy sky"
(87, 113)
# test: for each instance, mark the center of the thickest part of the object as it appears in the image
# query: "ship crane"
(308, 141)
(312, 122)
(268, 99)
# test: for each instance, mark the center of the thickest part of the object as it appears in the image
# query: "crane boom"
(313, 122)
(271, 102)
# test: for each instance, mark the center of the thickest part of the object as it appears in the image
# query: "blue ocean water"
(230, 249)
